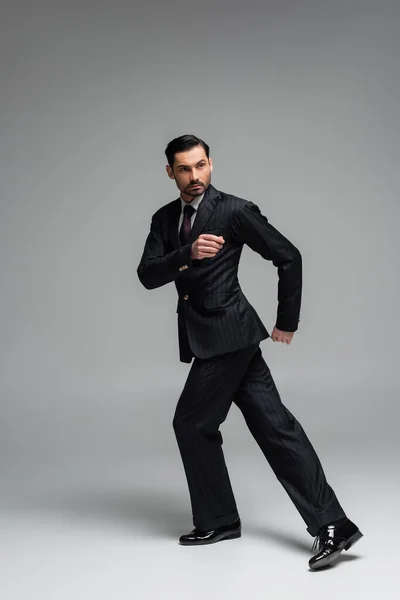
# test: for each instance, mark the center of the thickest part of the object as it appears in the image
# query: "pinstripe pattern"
(243, 377)
(214, 315)
(222, 331)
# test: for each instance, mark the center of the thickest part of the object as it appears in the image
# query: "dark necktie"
(186, 226)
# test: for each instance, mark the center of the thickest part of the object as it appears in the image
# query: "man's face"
(190, 168)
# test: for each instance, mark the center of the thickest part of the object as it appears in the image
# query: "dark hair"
(182, 143)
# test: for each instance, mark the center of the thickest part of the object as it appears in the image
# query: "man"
(196, 241)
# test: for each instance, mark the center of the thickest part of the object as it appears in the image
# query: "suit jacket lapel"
(173, 221)
(204, 212)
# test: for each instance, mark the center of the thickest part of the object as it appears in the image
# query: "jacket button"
(185, 297)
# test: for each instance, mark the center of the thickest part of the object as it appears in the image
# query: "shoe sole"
(354, 538)
(220, 538)
(333, 557)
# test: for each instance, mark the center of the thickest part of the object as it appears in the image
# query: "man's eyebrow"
(182, 165)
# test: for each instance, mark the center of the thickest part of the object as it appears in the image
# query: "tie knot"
(188, 210)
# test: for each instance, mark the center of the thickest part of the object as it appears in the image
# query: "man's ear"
(169, 172)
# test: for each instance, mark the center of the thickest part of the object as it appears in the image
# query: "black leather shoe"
(224, 532)
(330, 542)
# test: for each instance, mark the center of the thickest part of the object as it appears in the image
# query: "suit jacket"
(214, 316)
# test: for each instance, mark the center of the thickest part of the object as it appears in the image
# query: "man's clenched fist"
(206, 246)
(282, 336)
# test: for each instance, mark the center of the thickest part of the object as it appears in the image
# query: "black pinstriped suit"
(222, 331)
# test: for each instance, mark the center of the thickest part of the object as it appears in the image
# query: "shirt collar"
(195, 202)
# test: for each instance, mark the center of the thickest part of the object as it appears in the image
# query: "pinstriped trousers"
(244, 378)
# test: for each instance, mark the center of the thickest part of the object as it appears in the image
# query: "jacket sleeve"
(251, 227)
(156, 267)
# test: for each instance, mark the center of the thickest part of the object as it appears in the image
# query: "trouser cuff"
(217, 522)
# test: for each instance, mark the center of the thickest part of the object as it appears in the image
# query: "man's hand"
(282, 336)
(206, 246)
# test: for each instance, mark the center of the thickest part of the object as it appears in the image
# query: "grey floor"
(86, 514)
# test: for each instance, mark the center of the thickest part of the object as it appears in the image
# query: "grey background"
(299, 103)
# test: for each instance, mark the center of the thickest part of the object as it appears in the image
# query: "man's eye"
(185, 168)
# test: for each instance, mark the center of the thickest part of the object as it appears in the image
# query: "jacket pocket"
(220, 300)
